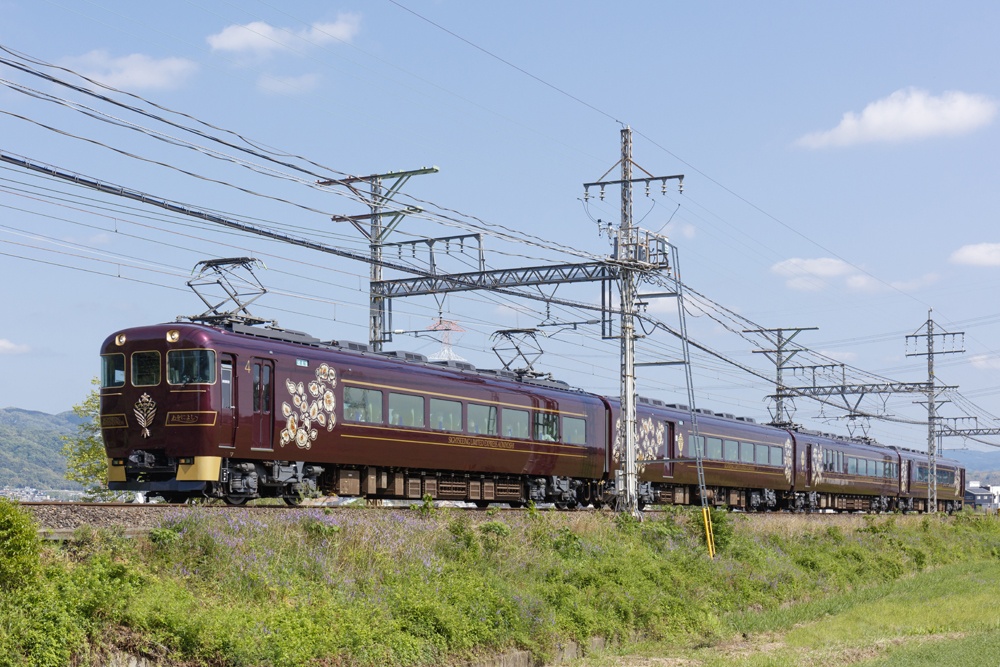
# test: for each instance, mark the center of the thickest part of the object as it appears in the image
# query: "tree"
(86, 461)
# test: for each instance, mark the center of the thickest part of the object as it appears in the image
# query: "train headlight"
(186, 460)
(173, 336)
(120, 339)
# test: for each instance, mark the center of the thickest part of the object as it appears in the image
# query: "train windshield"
(112, 370)
(191, 366)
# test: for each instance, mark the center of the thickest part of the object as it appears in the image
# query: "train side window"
(546, 427)
(852, 465)
(731, 450)
(191, 366)
(362, 405)
(112, 370)
(406, 410)
(446, 415)
(574, 431)
(226, 381)
(714, 450)
(514, 423)
(946, 477)
(145, 369)
(762, 456)
(778, 456)
(265, 388)
(840, 462)
(879, 469)
(746, 452)
(482, 419)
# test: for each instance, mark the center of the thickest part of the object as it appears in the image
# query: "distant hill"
(983, 467)
(30, 448)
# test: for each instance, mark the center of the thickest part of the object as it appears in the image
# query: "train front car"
(241, 412)
(914, 482)
(162, 389)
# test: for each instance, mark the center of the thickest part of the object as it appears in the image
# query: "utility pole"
(378, 198)
(948, 338)
(633, 261)
(780, 355)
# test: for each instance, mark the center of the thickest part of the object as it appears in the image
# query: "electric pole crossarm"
(499, 279)
(885, 388)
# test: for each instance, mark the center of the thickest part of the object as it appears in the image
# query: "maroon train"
(241, 412)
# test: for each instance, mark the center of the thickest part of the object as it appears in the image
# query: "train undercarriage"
(239, 481)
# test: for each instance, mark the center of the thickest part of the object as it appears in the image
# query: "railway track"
(60, 520)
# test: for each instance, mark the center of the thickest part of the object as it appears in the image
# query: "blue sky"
(839, 162)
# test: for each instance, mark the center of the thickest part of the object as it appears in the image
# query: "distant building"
(980, 498)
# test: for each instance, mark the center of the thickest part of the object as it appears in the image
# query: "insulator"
(647, 188)
(602, 193)
(663, 187)
(586, 194)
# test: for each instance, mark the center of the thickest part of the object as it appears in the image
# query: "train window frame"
(574, 430)
(116, 371)
(511, 419)
(746, 452)
(731, 451)
(762, 454)
(210, 364)
(226, 382)
(545, 426)
(714, 449)
(400, 404)
(140, 362)
(362, 410)
(781, 455)
(852, 465)
(443, 415)
(477, 413)
(880, 468)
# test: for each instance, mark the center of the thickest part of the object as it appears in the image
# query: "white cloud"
(261, 39)
(807, 275)
(7, 347)
(987, 362)
(133, 72)
(907, 114)
(811, 275)
(288, 85)
(977, 254)
(684, 230)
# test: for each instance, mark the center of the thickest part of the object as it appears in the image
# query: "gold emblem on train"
(145, 410)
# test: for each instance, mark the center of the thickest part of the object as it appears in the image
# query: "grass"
(428, 586)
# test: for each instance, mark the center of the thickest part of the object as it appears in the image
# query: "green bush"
(19, 547)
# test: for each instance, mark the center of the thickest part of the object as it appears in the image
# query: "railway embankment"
(245, 588)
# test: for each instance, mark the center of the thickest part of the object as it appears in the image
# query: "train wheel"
(235, 500)
(293, 501)
(482, 504)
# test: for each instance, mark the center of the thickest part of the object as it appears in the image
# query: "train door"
(227, 406)
(810, 480)
(669, 449)
(262, 422)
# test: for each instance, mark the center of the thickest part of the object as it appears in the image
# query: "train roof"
(300, 338)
